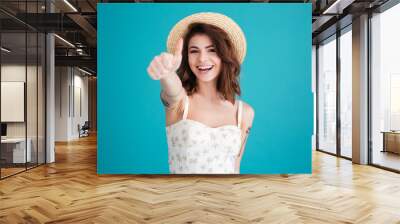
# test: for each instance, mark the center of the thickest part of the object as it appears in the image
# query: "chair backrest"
(86, 125)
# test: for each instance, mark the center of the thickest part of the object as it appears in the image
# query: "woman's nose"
(203, 56)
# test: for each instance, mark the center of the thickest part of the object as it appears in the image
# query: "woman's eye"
(193, 52)
(212, 50)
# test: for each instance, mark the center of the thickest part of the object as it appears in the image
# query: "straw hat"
(233, 30)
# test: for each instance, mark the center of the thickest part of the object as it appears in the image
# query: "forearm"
(171, 85)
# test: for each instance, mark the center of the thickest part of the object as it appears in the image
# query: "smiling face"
(209, 57)
(203, 59)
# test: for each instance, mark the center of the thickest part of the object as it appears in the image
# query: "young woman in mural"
(207, 127)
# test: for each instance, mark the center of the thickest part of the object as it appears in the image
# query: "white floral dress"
(195, 148)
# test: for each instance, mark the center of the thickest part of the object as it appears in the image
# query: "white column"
(50, 93)
(50, 99)
(360, 90)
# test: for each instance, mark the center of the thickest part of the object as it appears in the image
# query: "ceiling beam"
(84, 24)
(83, 61)
(337, 7)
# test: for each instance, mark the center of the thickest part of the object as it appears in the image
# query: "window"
(346, 92)
(385, 88)
(327, 95)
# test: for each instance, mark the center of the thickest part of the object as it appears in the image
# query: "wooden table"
(391, 141)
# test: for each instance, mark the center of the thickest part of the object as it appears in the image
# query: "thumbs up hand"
(166, 64)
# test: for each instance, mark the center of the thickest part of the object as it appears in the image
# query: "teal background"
(275, 81)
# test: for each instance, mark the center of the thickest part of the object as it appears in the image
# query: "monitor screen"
(3, 129)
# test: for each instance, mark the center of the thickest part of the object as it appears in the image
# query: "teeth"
(205, 67)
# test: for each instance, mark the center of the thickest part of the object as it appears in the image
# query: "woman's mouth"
(205, 68)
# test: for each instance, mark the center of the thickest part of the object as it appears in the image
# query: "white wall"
(9, 73)
(71, 93)
(80, 103)
(15, 72)
(62, 81)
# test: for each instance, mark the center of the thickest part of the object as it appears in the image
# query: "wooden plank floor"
(70, 191)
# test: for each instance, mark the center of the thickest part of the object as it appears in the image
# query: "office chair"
(84, 130)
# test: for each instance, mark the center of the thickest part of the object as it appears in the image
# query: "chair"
(84, 130)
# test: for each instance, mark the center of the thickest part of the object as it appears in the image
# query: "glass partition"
(327, 95)
(32, 95)
(22, 77)
(14, 153)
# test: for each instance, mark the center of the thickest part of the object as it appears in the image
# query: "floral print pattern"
(195, 148)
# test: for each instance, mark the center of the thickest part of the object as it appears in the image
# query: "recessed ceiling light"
(64, 40)
(70, 5)
(5, 50)
(338, 6)
(84, 71)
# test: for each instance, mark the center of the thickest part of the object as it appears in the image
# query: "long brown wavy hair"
(228, 79)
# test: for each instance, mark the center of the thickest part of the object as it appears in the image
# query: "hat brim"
(232, 29)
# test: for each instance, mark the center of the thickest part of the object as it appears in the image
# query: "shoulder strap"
(186, 109)
(240, 109)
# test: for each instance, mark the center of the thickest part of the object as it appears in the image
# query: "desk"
(15, 148)
(391, 141)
